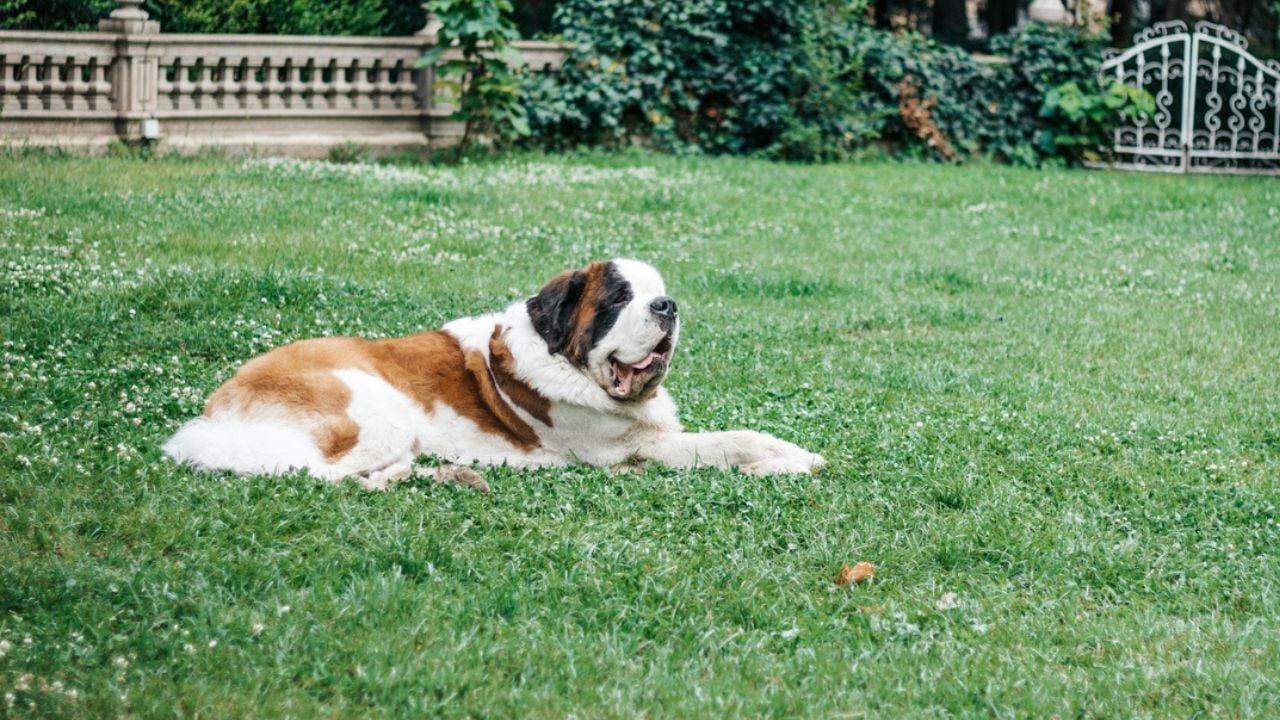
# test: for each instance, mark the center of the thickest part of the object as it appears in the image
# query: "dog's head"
(613, 321)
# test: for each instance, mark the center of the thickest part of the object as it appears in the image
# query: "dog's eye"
(621, 300)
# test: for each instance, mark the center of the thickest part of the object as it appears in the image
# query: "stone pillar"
(136, 70)
(432, 28)
(437, 111)
(1049, 12)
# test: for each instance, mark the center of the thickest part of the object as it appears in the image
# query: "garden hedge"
(797, 79)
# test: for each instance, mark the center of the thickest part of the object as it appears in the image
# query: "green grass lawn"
(1054, 395)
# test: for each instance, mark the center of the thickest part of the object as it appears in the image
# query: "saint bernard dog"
(571, 375)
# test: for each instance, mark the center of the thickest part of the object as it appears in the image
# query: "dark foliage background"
(943, 20)
(801, 80)
(288, 17)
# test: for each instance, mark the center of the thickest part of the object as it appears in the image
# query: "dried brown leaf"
(856, 574)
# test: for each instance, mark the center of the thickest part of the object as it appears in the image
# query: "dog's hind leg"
(374, 437)
(373, 456)
(464, 476)
(389, 475)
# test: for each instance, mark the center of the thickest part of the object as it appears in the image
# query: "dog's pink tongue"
(646, 362)
(626, 373)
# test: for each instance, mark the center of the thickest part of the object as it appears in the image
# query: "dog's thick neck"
(553, 376)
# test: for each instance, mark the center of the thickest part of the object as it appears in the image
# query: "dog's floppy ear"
(551, 310)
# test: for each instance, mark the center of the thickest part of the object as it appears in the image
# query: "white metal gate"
(1217, 107)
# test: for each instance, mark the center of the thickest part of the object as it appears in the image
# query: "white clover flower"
(4, 647)
(948, 601)
(121, 662)
(258, 628)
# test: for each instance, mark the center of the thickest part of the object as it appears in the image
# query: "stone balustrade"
(298, 95)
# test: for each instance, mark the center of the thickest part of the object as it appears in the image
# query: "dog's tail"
(243, 446)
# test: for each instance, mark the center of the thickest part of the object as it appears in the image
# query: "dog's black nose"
(664, 306)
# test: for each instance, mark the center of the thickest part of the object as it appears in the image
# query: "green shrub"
(286, 17)
(15, 14)
(1079, 119)
(993, 109)
(829, 118)
(1042, 57)
(802, 80)
(711, 75)
(956, 106)
(484, 81)
(53, 14)
(348, 153)
(933, 99)
(784, 79)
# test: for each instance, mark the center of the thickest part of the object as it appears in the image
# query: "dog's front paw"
(801, 463)
(779, 457)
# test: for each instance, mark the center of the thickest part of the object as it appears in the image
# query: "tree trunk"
(950, 22)
(1002, 15)
(1121, 15)
(883, 10)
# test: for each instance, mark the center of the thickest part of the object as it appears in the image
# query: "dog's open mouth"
(653, 364)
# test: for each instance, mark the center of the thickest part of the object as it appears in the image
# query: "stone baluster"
(136, 70)
(424, 79)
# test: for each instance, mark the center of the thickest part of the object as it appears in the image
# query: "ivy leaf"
(512, 56)
(429, 58)
(1072, 105)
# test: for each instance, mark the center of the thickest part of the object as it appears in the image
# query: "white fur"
(389, 424)
(244, 445)
(587, 423)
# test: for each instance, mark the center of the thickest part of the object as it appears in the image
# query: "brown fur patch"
(428, 367)
(295, 376)
(299, 377)
(585, 313)
(503, 365)
(336, 438)
(432, 367)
